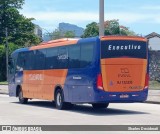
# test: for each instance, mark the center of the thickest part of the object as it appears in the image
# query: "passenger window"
(29, 60)
(86, 54)
(40, 59)
(63, 57)
(11, 66)
(51, 58)
(20, 61)
(74, 56)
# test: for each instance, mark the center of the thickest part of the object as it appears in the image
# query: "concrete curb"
(152, 102)
(4, 93)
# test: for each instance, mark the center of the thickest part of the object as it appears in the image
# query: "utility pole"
(6, 31)
(101, 17)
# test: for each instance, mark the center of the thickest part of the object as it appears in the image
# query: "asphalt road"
(44, 113)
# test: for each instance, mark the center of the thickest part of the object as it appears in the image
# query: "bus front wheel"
(59, 101)
(22, 100)
(100, 105)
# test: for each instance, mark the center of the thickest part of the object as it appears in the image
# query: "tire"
(22, 100)
(59, 101)
(100, 105)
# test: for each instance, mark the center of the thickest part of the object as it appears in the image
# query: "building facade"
(38, 31)
(154, 41)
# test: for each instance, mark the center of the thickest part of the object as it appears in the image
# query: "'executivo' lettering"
(124, 47)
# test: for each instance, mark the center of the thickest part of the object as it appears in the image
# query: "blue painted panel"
(84, 90)
(79, 84)
(138, 96)
(15, 78)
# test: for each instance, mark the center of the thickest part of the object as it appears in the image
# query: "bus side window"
(86, 54)
(51, 58)
(74, 56)
(20, 61)
(40, 59)
(29, 60)
(11, 66)
(63, 57)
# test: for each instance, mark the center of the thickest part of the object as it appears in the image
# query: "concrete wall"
(154, 65)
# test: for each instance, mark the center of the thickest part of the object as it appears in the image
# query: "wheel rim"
(59, 99)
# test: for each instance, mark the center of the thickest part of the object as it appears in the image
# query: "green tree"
(125, 31)
(11, 47)
(12, 3)
(91, 30)
(2, 63)
(20, 29)
(112, 27)
(57, 34)
(69, 34)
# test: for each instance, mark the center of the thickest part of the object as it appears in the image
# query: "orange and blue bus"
(97, 71)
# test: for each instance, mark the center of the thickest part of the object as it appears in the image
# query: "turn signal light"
(147, 81)
(99, 82)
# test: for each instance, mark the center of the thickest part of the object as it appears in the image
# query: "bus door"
(123, 65)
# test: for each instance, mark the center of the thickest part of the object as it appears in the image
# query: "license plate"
(124, 96)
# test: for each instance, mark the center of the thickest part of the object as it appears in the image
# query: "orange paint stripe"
(43, 88)
(110, 69)
(144, 71)
(124, 38)
(104, 77)
(123, 61)
(55, 43)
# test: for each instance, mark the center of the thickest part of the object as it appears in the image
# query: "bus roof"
(55, 43)
(70, 41)
(134, 38)
(20, 50)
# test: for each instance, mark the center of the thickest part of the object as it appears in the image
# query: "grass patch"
(154, 85)
(4, 83)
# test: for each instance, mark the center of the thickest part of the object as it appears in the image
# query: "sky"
(141, 16)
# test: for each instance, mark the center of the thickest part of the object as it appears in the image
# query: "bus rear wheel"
(22, 100)
(100, 105)
(59, 101)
